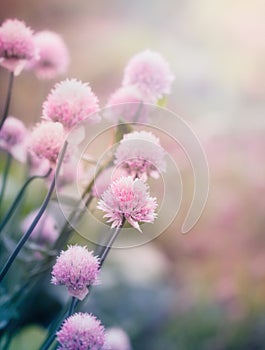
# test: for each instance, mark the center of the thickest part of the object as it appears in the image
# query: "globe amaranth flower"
(12, 138)
(128, 199)
(126, 104)
(71, 102)
(117, 339)
(53, 55)
(76, 268)
(46, 141)
(149, 71)
(16, 45)
(45, 232)
(81, 331)
(141, 155)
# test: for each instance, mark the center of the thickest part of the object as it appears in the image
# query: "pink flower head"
(53, 55)
(81, 331)
(46, 141)
(150, 73)
(128, 198)
(16, 45)
(71, 102)
(76, 268)
(141, 155)
(117, 339)
(12, 137)
(126, 104)
(45, 232)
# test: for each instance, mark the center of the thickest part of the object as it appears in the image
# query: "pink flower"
(128, 198)
(141, 155)
(45, 232)
(81, 331)
(16, 45)
(53, 55)
(150, 73)
(12, 137)
(126, 104)
(46, 141)
(71, 102)
(76, 268)
(117, 339)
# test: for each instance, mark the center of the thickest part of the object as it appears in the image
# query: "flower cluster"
(128, 199)
(81, 331)
(76, 268)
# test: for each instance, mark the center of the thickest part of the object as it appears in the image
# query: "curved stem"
(27, 234)
(103, 255)
(8, 99)
(19, 197)
(5, 175)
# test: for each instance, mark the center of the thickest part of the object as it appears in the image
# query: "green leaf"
(29, 338)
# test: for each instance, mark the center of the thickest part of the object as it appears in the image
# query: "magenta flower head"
(128, 199)
(126, 104)
(16, 45)
(53, 55)
(141, 155)
(46, 141)
(76, 268)
(117, 339)
(46, 231)
(81, 331)
(12, 138)
(71, 102)
(150, 73)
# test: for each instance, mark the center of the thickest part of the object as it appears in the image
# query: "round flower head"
(128, 198)
(141, 155)
(12, 137)
(76, 268)
(126, 104)
(81, 331)
(117, 339)
(16, 45)
(71, 102)
(151, 73)
(53, 55)
(45, 232)
(46, 141)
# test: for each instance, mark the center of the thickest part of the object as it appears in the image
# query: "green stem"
(19, 197)
(27, 234)
(8, 99)
(5, 175)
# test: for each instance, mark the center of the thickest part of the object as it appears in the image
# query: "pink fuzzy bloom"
(126, 104)
(12, 137)
(71, 102)
(150, 73)
(46, 141)
(141, 155)
(117, 339)
(16, 45)
(81, 331)
(53, 55)
(128, 198)
(46, 231)
(76, 268)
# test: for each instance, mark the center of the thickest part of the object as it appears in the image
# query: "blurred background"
(204, 290)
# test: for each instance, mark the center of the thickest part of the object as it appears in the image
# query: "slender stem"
(103, 255)
(19, 197)
(48, 342)
(5, 175)
(27, 234)
(8, 99)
